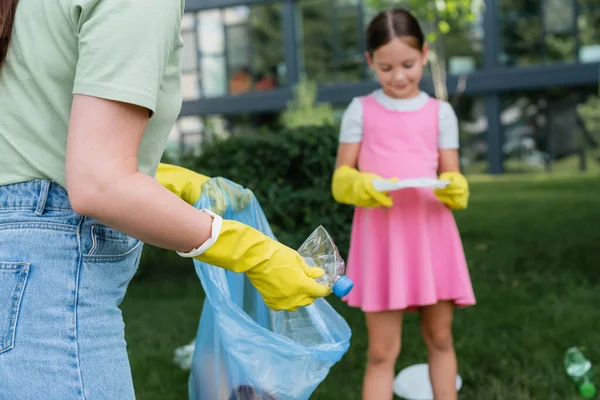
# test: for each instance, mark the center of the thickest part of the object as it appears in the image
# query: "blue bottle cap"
(343, 287)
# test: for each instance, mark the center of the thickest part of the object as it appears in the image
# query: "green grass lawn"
(533, 247)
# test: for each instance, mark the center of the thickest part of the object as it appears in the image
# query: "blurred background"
(265, 84)
(517, 71)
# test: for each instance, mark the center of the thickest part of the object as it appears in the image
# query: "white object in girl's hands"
(412, 383)
(382, 185)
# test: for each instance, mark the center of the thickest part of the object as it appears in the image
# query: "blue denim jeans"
(62, 278)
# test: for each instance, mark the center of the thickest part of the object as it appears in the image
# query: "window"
(543, 130)
(588, 21)
(548, 31)
(332, 35)
(331, 40)
(232, 51)
(473, 124)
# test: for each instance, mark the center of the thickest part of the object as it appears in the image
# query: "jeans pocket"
(109, 243)
(13, 277)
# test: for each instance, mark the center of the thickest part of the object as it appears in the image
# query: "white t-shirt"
(351, 129)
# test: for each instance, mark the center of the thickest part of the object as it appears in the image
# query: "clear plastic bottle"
(319, 250)
(303, 325)
(579, 370)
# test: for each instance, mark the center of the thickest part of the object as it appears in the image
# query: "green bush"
(290, 174)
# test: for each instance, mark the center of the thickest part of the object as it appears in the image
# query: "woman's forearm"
(137, 205)
(103, 180)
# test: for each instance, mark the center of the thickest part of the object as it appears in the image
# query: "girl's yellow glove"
(456, 194)
(349, 186)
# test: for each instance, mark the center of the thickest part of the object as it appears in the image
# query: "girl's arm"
(448, 161)
(456, 194)
(349, 186)
(347, 154)
(104, 183)
(350, 135)
(448, 140)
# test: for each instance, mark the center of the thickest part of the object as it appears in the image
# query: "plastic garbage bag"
(244, 350)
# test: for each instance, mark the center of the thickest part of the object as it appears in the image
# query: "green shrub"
(290, 174)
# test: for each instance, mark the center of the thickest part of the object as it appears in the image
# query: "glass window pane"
(331, 40)
(521, 39)
(187, 22)
(349, 35)
(350, 68)
(190, 86)
(210, 32)
(589, 4)
(190, 52)
(266, 46)
(544, 130)
(473, 125)
(241, 49)
(236, 15)
(588, 22)
(186, 136)
(463, 49)
(191, 144)
(558, 16)
(538, 32)
(523, 8)
(190, 125)
(238, 46)
(559, 47)
(214, 81)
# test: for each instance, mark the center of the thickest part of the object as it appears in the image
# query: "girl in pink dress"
(405, 252)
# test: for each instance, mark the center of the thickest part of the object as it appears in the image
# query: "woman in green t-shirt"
(89, 90)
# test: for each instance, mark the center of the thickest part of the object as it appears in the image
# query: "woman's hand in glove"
(278, 272)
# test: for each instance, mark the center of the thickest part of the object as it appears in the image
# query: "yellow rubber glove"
(189, 185)
(278, 272)
(349, 186)
(185, 183)
(456, 194)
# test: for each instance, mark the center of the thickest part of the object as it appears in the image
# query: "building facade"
(515, 75)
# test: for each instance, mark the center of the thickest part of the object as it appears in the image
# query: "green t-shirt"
(123, 50)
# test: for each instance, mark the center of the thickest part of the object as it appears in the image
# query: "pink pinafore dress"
(410, 255)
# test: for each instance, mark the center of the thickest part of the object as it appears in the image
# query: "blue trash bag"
(244, 350)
